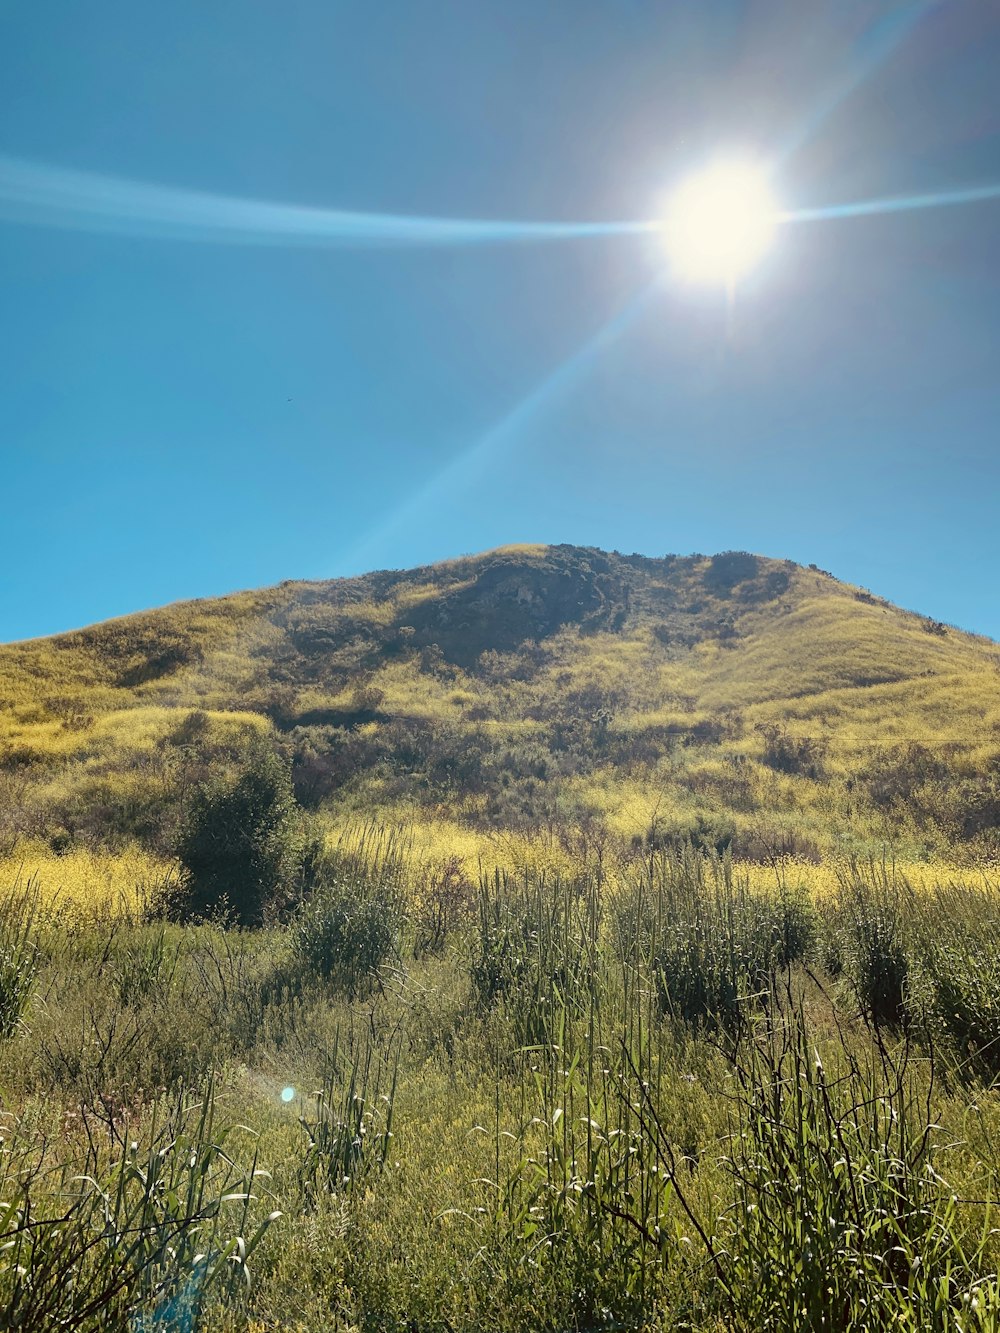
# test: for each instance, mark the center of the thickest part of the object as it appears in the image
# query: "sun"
(720, 222)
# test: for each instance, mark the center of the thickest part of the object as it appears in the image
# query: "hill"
(734, 699)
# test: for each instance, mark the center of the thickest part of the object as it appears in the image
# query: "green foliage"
(350, 1131)
(873, 948)
(841, 1219)
(712, 945)
(728, 569)
(519, 1129)
(957, 987)
(240, 845)
(790, 754)
(350, 926)
(131, 1238)
(584, 1211)
(444, 908)
(346, 937)
(835, 1212)
(535, 952)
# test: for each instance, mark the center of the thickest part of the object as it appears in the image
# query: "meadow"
(661, 1093)
(549, 939)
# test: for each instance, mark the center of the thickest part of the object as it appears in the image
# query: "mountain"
(735, 699)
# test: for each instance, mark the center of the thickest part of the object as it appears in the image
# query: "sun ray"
(875, 47)
(473, 462)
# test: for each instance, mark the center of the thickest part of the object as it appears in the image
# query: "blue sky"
(190, 409)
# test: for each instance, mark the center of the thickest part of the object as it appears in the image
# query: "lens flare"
(288, 1094)
(720, 222)
(37, 194)
(906, 203)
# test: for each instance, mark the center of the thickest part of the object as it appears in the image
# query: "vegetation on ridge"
(734, 700)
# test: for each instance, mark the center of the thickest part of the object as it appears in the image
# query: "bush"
(797, 755)
(241, 846)
(873, 947)
(350, 926)
(728, 569)
(444, 905)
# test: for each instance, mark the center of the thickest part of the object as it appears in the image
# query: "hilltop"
(739, 700)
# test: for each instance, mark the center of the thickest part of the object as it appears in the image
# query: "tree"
(239, 845)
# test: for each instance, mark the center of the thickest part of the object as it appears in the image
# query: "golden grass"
(821, 660)
(87, 883)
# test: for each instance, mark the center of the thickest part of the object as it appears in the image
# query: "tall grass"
(630, 1098)
(819, 1201)
(869, 939)
(712, 944)
(350, 1131)
(536, 953)
(841, 1217)
(836, 1210)
(957, 987)
(130, 1236)
(924, 957)
(351, 925)
(18, 954)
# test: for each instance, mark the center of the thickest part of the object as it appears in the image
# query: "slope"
(739, 700)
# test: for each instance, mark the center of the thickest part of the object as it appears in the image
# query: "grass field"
(649, 1095)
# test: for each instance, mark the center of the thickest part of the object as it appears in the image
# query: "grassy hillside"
(738, 700)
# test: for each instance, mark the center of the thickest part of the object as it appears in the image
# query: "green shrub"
(241, 845)
(350, 926)
(872, 909)
(800, 755)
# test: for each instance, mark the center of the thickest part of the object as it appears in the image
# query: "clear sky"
(199, 394)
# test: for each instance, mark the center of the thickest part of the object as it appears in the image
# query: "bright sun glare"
(720, 222)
